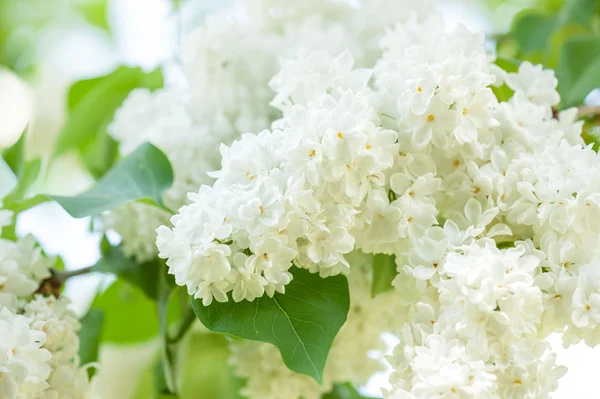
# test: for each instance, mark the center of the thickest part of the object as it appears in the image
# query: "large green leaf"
(89, 336)
(301, 323)
(579, 69)
(384, 272)
(92, 104)
(143, 175)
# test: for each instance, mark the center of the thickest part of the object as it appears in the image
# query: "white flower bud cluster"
(38, 335)
(489, 206)
(22, 268)
(228, 63)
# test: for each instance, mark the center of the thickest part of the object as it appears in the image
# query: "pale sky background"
(145, 34)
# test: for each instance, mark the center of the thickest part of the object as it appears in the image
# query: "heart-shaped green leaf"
(143, 175)
(301, 323)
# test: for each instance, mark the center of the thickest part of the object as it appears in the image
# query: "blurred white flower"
(16, 107)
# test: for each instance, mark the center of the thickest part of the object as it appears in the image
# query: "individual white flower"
(22, 268)
(24, 364)
(538, 84)
(433, 125)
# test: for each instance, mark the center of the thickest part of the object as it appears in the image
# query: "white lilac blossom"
(490, 207)
(23, 362)
(38, 335)
(22, 268)
(165, 119)
(228, 64)
(68, 379)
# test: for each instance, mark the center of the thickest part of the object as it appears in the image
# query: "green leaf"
(344, 391)
(101, 154)
(578, 69)
(143, 175)
(384, 272)
(27, 176)
(26, 203)
(301, 323)
(89, 336)
(532, 30)
(8, 180)
(15, 156)
(94, 11)
(540, 33)
(144, 276)
(92, 104)
(130, 316)
(579, 12)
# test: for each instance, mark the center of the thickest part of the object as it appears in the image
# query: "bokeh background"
(53, 43)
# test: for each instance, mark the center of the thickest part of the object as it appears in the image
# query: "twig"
(64, 276)
(53, 284)
(588, 110)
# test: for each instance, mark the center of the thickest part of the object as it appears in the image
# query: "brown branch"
(588, 110)
(53, 284)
